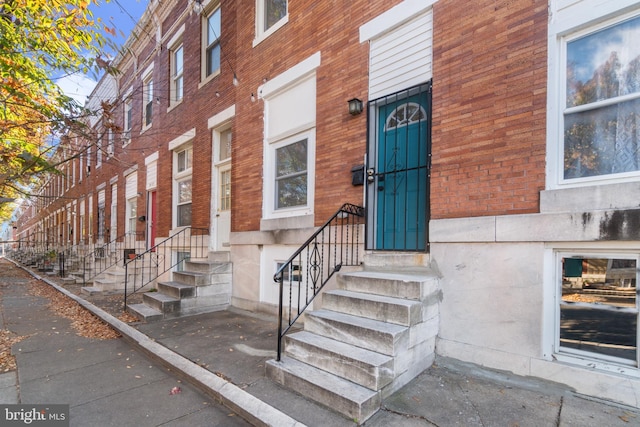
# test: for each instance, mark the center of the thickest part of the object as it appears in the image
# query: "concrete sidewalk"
(223, 354)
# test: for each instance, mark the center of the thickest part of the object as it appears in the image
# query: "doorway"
(398, 170)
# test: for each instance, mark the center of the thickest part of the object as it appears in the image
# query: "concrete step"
(409, 285)
(199, 279)
(382, 337)
(364, 367)
(352, 400)
(207, 267)
(161, 302)
(144, 312)
(176, 289)
(378, 307)
(107, 285)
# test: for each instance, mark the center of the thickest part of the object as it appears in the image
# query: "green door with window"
(399, 179)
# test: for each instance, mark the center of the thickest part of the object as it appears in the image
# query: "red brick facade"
(489, 107)
(489, 94)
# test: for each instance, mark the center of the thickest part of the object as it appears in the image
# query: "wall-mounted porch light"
(197, 6)
(355, 106)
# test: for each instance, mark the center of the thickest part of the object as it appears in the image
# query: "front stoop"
(202, 287)
(374, 334)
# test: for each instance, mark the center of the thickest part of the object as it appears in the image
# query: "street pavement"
(217, 361)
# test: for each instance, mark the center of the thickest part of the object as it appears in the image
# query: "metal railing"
(109, 255)
(170, 253)
(336, 244)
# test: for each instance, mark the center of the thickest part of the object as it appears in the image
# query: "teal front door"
(399, 179)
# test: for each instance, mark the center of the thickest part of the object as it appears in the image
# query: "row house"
(470, 174)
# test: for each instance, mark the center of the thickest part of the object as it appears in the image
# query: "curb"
(246, 405)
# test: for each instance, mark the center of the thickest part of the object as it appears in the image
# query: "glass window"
(225, 145)
(128, 115)
(177, 66)
(291, 175)
(99, 151)
(132, 214)
(225, 190)
(274, 11)
(602, 107)
(184, 202)
(185, 160)
(598, 308)
(110, 143)
(212, 47)
(148, 101)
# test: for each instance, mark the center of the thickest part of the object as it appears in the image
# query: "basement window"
(598, 307)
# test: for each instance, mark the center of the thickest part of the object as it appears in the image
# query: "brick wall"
(489, 98)
(340, 138)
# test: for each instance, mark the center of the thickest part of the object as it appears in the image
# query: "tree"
(40, 39)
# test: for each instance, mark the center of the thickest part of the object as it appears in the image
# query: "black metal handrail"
(334, 245)
(101, 251)
(147, 266)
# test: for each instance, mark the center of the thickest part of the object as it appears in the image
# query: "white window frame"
(147, 98)
(206, 46)
(132, 215)
(110, 143)
(569, 23)
(261, 32)
(127, 119)
(181, 175)
(270, 188)
(177, 75)
(99, 148)
(553, 291)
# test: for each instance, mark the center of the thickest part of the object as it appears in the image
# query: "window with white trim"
(270, 16)
(177, 78)
(183, 161)
(99, 150)
(289, 166)
(600, 102)
(132, 215)
(211, 32)
(128, 117)
(290, 180)
(147, 96)
(110, 142)
(598, 306)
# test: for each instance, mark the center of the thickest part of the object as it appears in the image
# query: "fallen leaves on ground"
(7, 360)
(83, 322)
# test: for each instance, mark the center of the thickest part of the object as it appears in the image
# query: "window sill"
(262, 36)
(209, 78)
(146, 128)
(174, 105)
(287, 223)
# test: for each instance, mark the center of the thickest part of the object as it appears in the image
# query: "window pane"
(274, 11)
(225, 190)
(602, 141)
(291, 159)
(225, 145)
(604, 64)
(598, 311)
(213, 27)
(213, 58)
(178, 88)
(291, 192)
(184, 215)
(184, 191)
(178, 63)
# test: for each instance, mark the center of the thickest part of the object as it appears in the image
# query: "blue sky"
(119, 14)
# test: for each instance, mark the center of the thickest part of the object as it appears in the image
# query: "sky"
(119, 14)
